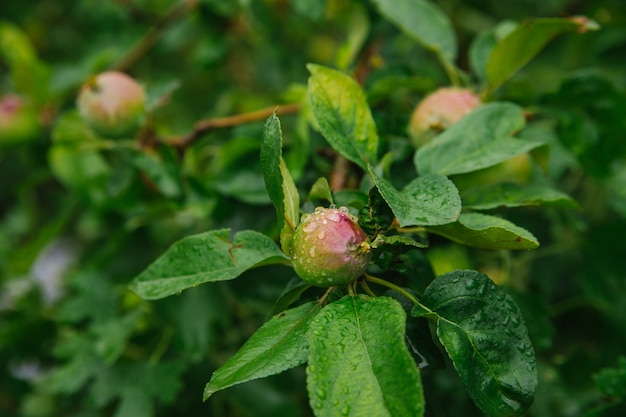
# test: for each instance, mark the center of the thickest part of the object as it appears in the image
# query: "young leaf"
(344, 117)
(479, 140)
(487, 232)
(423, 21)
(359, 364)
(514, 195)
(428, 200)
(207, 257)
(278, 345)
(525, 42)
(484, 334)
(278, 181)
(320, 190)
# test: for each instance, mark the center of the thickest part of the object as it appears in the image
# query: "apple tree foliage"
(150, 273)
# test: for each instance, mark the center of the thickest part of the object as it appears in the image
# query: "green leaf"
(291, 293)
(402, 240)
(525, 42)
(484, 334)
(428, 200)
(377, 216)
(343, 115)
(423, 21)
(612, 381)
(357, 28)
(279, 344)
(207, 257)
(514, 195)
(487, 232)
(278, 181)
(313, 9)
(359, 364)
(30, 76)
(320, 190)
(483, 44)
(479, 140)
(163, 169)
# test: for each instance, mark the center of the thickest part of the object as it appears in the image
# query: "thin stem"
(151, 37)
(162, 346)
(398, 289)
(367, 288)
(323, 301)
(203, 126)
(450, 69)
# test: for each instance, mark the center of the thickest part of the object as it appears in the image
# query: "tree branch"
(203, 126)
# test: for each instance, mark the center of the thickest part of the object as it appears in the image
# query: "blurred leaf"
(359, 363)
(484, 333)
(482, 45)
(612, 381)
(30, 76)
(195, 314)
(343, 114)
(357, 28)
(479, 140)
(487, 232)
(207, 257)
(278, 181)
(514, 195)
(112, 336)
(163, 170)
(524, 43)
(313, 9)
(428, 200)
(278, 345)
(423, 21)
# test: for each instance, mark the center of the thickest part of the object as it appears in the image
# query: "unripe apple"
(329, 248)
(18, 120)
(112, 104)
(440, 110)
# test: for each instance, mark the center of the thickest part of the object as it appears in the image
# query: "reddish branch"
(203, 126)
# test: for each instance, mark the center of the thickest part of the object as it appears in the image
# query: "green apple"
(112, 104)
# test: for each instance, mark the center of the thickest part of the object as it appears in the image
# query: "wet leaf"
(487, 232)
(359, 363)
(514, 195)
(278, 345)
(207, 257)
(428, 200)
(278, 182)
(484, 334)
(344, 117)
(479, 140)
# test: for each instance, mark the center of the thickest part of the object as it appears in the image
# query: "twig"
(154, 33)
(203, 126)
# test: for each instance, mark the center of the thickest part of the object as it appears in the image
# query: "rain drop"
(309, 227)
(321, 235)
